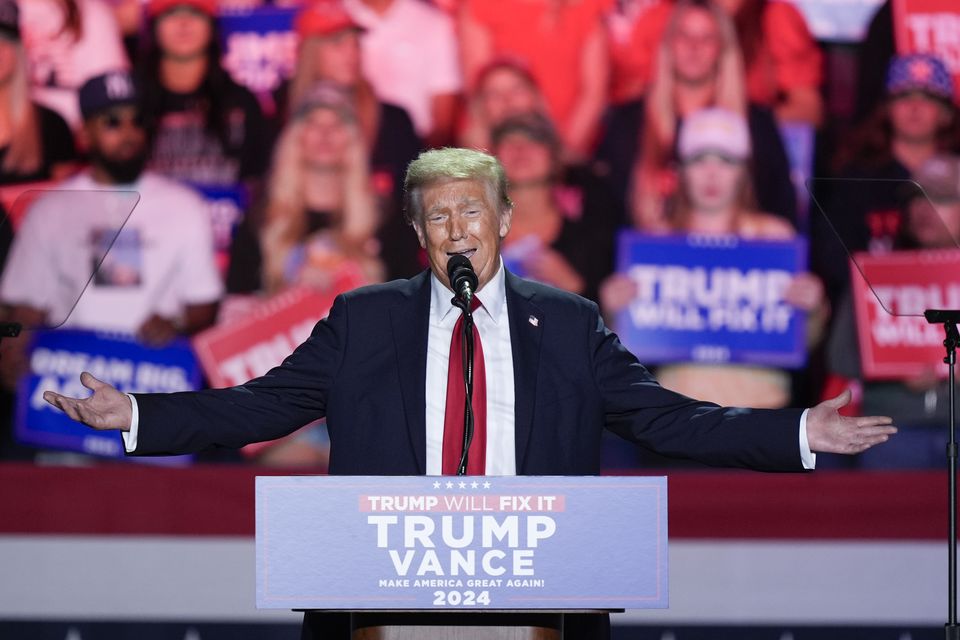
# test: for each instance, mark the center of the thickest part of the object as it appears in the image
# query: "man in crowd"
(549, 375)
(157, 278)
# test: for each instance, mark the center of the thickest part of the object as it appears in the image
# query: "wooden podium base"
(490, 625)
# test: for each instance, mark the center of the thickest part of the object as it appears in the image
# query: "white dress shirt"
(493, 327)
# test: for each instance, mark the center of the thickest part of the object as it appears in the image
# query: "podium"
(445, 558)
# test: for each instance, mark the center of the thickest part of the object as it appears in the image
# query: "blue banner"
(259, 47)
(226, 206)
(711, 299)
(56, 360)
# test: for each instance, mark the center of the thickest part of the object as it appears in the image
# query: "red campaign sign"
(896, 342)
(930, 26)
(232, 354)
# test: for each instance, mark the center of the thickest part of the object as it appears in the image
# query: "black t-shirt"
(770, 168)
(56, 144)
(184, 148)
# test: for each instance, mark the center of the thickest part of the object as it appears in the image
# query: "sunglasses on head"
(116, 120)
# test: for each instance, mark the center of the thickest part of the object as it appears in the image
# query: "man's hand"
(106, 409)
(829, 432)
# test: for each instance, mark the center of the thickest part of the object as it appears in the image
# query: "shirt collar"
(492, 296)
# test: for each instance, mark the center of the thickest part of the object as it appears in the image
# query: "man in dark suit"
(553, 375)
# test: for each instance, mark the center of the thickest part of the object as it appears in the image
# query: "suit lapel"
(526, 329)
(411, 325)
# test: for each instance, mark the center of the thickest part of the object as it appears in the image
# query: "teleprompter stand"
(949, 320)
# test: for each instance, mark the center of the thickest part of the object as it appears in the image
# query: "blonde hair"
(729, 86)
(660, 115)
(285, 208)
(442, 165)
(305, 77)
(24, 153)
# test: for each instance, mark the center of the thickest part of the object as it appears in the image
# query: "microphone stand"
(949, 320)
(466, 346)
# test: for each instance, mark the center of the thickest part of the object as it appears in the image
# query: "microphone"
(463, 279)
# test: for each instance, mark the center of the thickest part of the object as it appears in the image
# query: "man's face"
(459, 216)
(117, 141)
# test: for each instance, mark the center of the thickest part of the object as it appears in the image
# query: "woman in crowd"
(67, 43)
(315, 227)
(919, 404)
(504, 88)
(781, 59)
(35, 142)
(714, 198)
(564, 44)
(699, 65)
(330, 52)
(319, 215)
(916, 121)
(563, 223)
(209, 130)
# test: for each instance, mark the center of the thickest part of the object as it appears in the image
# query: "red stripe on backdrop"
(219, 500)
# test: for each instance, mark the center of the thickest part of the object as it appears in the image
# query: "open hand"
(106, 409)
(829, 432)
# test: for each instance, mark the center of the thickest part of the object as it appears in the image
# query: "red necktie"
(456, 398)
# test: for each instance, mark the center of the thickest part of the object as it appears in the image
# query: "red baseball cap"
(156, 7)
(323, 18)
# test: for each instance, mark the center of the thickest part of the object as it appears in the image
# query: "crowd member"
(35, 142)
(410, 57)
(319, 214)
(67, 42)
(163, 281)
(503, 89)
(330, 52)
(209, 130)
(714, 199)
(918, 403)
(916, 121)
(782, 60)
(563, 223)
(563, 44)
(699, 65)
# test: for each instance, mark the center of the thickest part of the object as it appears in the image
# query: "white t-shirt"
(410, 54)
(60, 64)
(160, 261)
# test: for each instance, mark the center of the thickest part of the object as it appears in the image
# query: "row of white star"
(461, 484)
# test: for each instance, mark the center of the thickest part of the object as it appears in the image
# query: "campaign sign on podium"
(434, 543)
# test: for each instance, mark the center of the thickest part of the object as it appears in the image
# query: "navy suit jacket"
(364, 368)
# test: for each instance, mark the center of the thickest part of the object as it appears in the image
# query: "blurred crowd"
(672, 122)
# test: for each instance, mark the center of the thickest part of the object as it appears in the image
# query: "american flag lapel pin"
(534, 320)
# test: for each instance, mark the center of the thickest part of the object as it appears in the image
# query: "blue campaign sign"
(711, 299)
(259, 47)
(226, 207)
(56, 360)
(440, 542)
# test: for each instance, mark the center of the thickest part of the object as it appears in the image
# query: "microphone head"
(460, 271)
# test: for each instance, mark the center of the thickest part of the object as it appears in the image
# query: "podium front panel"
(480, 543)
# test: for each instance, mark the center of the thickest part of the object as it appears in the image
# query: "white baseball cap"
(714, 130)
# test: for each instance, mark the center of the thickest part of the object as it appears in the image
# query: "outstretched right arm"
(269, 407)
